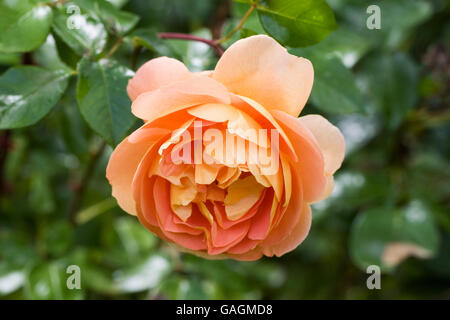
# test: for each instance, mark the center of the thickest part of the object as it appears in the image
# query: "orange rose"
(216, 199)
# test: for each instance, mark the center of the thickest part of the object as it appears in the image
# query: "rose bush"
(231, 205)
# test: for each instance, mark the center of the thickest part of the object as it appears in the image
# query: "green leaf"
(67, 55)
(391, 80)
(135, 239)
(334, 89)
(179, 287)
(58, 237)
(47, 56)
(24, 25)
(99, 280)
(149, 39)
(102, 98)
(83, 33)
(297, 23)
(28, 94)
(345, 44)
(251, 26)
(398, 18)
(230, 277)
(401, 14)
(41, 196)
(245, 33)
(191, 289)
(118, 3)
(143, 276)
(116, 21)
(16, 250)
(47, 281)
(374, 230)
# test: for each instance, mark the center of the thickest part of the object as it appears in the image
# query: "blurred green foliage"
(388, 90)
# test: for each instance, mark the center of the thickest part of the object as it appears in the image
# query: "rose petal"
(123, 164)
(156, 73)
(241, 196)
(261, 222)
(178, 96)
(265, 119)
(244, 246)
(330, 140)
(261, 69)
(231, 236)
(329, 186)
(205, 173)
(311, 162)
(214, 193)
(251, 255)
(291, 215)
(221, 216)
(165, 215)
(295, 237)
(238, 122)
(287, 178)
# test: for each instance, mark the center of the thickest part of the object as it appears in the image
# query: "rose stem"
(183, 36)
(239, 25)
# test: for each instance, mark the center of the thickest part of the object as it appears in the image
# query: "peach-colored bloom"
(224, 208)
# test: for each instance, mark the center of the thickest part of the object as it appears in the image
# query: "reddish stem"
(173, 35)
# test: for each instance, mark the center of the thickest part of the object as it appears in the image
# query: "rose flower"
(222, 167)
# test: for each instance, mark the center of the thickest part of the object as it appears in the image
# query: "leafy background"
(63, 106)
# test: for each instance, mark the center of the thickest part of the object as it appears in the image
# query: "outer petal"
(123, 164)
(259, 68)
(290, 217)
(251, 255)
(178, 96)
(155, 74)
(297, 235)
(311, 163)
(330, 139)
(328, 189)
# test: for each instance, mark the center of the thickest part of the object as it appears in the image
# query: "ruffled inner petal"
(241, 196)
